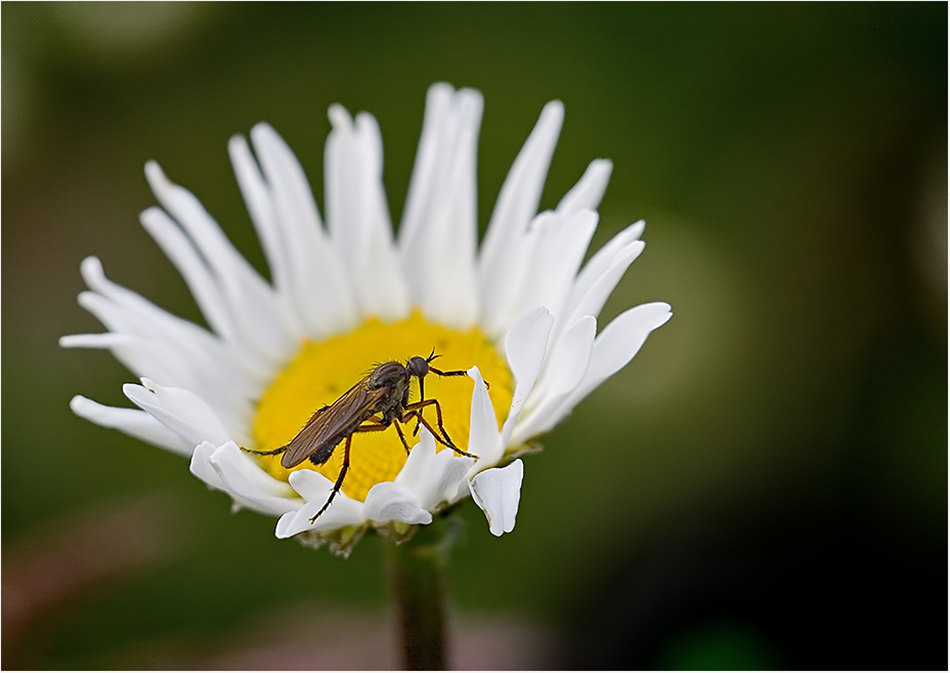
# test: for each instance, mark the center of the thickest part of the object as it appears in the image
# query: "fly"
(374, 403)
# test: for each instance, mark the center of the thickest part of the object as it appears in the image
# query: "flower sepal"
(398, 531)
(340, 541)
(437, 537)
(527, 449)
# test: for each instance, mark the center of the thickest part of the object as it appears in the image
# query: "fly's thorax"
(394, 378)
(388, 375)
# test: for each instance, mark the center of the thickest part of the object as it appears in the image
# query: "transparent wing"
(333, 423)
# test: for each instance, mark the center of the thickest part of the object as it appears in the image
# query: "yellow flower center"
(323, 371)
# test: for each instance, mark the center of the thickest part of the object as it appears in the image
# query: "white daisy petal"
(161, 360)
(343, 177)
(601, 260)
(254, 310)
(183, 363)
(484, 438)
(210, 241)
(616, 345)
(498, 492)
(563, 372)
(316, 489)
(433, 478)
(589, 190)
(520, 194)
(249, 485)
(180, 410)
(342, 512)
(308, 252)
(311, 485)
(525, 346)
(449, 294)
(262, 211)
(111, 315)
(140, 356)
(569, 357)
(102, 341)
(182, 253)
(438, 235)
(592, 301)
(415, 472)
(512, 298)
(564, 253)
(293, 523)
(122, 310)
(357, 215)
(202, 467)
(549, 255)
(447, 482)
(516, 206)
(132, 422)
(431, 159)
(389, 501)
(205, 291)
(558, 253)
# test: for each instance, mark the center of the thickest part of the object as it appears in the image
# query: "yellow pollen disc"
(323, 371)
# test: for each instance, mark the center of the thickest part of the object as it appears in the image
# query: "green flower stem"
(418, 569)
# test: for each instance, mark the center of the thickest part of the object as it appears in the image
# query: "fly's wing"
(333, 422)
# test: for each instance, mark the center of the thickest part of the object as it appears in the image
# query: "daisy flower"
(519, 311)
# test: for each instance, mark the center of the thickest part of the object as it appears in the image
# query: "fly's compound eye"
(418, 367)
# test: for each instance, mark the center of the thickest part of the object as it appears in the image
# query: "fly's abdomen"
(325, 450)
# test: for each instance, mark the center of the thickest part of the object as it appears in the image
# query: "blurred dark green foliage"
(791, 163)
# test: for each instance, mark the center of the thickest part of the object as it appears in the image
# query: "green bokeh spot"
(720, 646)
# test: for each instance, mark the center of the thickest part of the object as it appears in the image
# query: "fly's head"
(419, 366)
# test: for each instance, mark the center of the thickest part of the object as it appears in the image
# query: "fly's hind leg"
(339, 480)
(369, 426)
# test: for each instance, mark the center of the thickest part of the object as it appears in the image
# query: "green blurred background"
(764, 486)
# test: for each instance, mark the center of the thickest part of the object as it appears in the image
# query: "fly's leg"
(375, 426)
(339, 480)
(448, 441)
(273, 452)
(402, 437)
(456, 372)
(422, 391)
(415, 409)
(366, 427)
(378, 426)
(437, 372)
